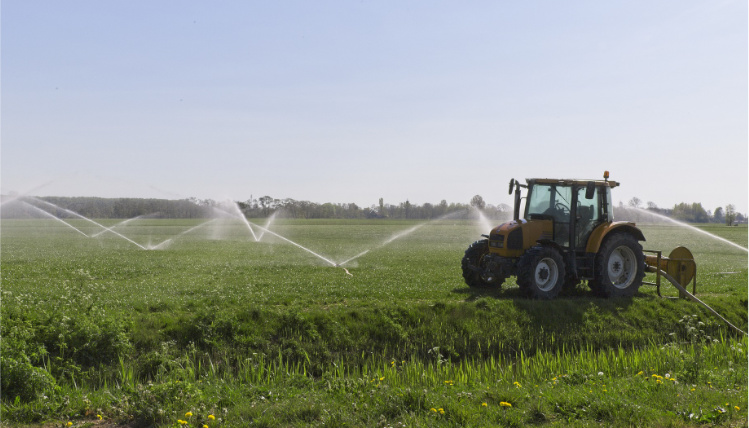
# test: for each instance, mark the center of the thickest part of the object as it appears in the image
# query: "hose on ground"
(695, 299)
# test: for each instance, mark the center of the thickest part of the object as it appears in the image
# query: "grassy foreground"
(216, 329)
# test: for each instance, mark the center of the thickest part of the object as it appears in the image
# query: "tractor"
(567, 234)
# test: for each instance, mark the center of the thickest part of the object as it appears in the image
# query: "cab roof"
(570, 182)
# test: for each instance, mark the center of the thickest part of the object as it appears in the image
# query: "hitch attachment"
(679, 265)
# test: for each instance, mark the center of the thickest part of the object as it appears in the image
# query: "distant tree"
(693, 213)
(718, 216)
(382, 207)
(265, 204)
(441, 208)
(478, 202)
(635, 202)
(652, 206)
(730, 214)
(427, 211)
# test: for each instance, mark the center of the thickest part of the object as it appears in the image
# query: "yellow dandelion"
(98, 416)
(658, 381)
(505, 404)
(517, 384)
(69, 424)
(211, 417)
(737, 408)
(188, 414)
(484, 405)
(181, 422)
(382, 378)
(639, 373)
(692, 389)
(441, 410)
(433, 410)
(205, 426)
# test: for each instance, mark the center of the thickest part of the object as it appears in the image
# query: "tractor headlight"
(497, 241)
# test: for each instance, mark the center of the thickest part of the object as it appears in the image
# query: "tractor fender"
(550, 243)
(603, 230)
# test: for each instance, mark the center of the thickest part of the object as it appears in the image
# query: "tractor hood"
(511, 239)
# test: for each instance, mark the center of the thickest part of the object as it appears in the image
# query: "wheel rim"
(622, 267)
(546, 274)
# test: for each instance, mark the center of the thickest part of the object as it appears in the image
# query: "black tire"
(541, 273)
(619, 267)
(473, 264)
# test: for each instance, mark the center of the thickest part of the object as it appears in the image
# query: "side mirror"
(590, 190)
(512, 184)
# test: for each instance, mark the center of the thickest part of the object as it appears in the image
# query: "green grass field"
(269, 334)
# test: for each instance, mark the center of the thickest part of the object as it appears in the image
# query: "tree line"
(265, 206)
(692, 213)
(124, 208)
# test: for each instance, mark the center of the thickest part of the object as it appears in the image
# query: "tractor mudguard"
(603, 230)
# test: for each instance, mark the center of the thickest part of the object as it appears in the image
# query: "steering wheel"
(563, 208)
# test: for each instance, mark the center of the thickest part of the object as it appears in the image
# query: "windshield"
(550, 200)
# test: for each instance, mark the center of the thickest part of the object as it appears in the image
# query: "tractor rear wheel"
(474, 266)
(619, 267)
(541, 273)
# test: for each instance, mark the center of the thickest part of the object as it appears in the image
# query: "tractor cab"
(574, 207)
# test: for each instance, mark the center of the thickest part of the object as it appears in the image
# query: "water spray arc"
(690, 227)
(91, 221)
(122, 223)
(385, 242)
(395, 236)
(267, 225)
(56, 218)
(167, 242)
(238, 212)
(484, 222)
(332, 263)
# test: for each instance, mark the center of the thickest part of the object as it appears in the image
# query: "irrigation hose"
(694, 298)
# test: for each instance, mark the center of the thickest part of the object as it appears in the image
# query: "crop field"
(349, 323)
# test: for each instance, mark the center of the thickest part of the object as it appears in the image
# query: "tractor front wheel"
(619, 267)
(474, 266)
(541, 273)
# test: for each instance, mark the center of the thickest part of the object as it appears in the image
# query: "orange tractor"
(567, 234)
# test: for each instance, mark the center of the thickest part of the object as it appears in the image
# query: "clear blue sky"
(352, 101)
